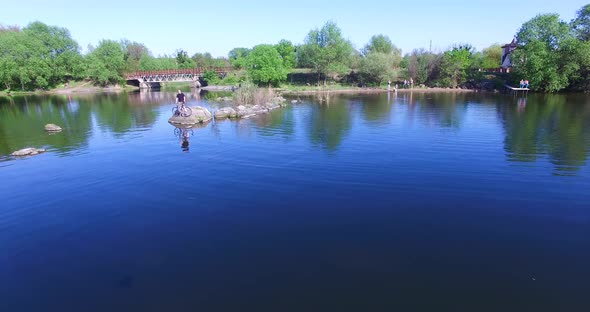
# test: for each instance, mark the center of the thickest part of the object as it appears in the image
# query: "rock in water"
(271, 106)
(279, 100)
(30, 151)
(226, 112)
(52, 128)
(199, 115)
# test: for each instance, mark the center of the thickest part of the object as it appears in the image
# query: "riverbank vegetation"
(553, 54)
(250, 94)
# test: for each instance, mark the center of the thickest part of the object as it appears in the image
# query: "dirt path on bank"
(85, 87)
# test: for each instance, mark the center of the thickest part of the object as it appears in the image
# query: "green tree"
(492, 56)
(581, 28)
(455, 65)
(58, 47)
(237, 57)
(207, 60)
(381, 44)
(39, 56)
(544, 56)
(211, 77)
(203, 59)
(106, 63)
(581, 24)
(380, 58)
(326, 51)
(265, 65)
(377, 67)
(183, 60)
(423, 66)
(547, 28)
(12, 57)
(134, 51)
(287, 51)
(148, 62)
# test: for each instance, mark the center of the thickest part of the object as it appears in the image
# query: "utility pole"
(430, 49)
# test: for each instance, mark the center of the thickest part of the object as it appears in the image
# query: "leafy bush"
(211, 77)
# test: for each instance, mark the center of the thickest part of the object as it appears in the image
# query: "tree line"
(552, 54)
(39, 56)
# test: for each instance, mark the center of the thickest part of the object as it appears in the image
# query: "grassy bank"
(173, 86)
(71, 87)
(340, 88)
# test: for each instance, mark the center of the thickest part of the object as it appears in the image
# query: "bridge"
(153, 78)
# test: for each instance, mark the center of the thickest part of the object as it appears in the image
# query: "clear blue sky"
(219, 26)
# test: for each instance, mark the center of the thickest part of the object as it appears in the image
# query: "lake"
(373, 202)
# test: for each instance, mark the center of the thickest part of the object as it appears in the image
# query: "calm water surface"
(414, 202)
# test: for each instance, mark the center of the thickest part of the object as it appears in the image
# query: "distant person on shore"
(521, 83)
(411, 82)
(389, 85)
(526, 84)
(405, 83)
(180, 98)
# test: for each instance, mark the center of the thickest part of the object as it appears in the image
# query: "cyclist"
(180, 98)
(181, 109)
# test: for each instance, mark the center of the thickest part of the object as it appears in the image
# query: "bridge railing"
(186, 71)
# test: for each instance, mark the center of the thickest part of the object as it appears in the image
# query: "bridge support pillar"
(196, 82)
(144, 85)
(149, 85)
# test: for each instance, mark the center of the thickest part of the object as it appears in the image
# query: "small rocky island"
(202, 115)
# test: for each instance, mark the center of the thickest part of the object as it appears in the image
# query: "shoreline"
(376, 90)
(212, 88)
(70, 91)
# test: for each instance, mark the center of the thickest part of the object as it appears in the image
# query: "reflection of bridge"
(149, 79)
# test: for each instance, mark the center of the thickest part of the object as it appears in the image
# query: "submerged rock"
(226, 112)
(52, 128)
(30, 151)
(199, 115)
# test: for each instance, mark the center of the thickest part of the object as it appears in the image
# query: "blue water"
(414, 202)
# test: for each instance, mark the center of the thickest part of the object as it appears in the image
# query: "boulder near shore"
(226, 112)
(52, 128)
(29, 151)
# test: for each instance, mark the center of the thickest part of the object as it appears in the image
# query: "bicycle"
(182, 110)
